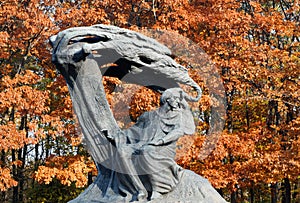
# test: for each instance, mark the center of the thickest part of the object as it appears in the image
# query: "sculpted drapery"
(148, 149)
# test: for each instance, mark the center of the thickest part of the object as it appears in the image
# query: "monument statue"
(135, 164)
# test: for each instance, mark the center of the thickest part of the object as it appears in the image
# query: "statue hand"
(127, 150)
(156, 142)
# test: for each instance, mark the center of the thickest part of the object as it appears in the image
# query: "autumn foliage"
(254, 46)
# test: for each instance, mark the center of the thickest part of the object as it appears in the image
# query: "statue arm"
(172, 136)
(186, 127)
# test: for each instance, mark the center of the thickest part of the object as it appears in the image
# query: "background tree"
(34, 107)
(254, 45)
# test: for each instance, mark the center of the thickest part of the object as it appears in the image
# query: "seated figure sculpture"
(148, 150)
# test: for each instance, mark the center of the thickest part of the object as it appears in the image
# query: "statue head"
(174, 99)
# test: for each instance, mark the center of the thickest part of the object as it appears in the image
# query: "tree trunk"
(15, 176)
(20, 176)
(90, 178)
(233, 197)
(242, 194)
(220, 191)
(22, 157)
(47, 146)
(252, 195)
(286, 197)
(271, 113)
(3, 194)
(36, 156)
(247, 112)
(274, 192)
(296, 193)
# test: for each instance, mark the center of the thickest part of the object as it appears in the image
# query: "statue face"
(172, 100)
(174, 103)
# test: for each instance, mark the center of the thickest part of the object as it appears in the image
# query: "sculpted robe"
(155, 163)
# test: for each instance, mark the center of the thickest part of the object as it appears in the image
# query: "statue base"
(192, 188)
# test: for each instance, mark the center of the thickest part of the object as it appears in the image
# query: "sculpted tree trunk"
(83, 55)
